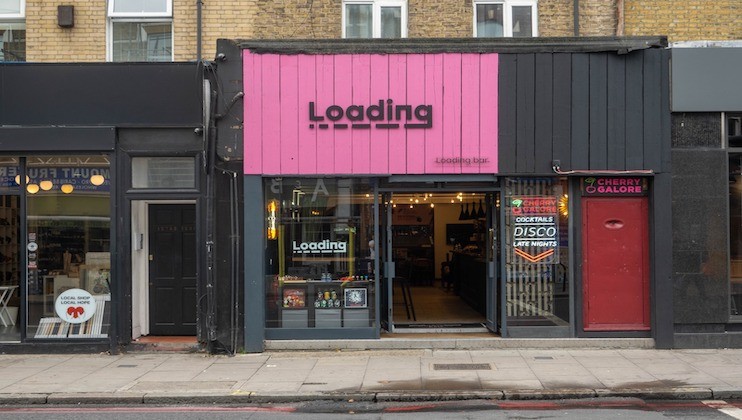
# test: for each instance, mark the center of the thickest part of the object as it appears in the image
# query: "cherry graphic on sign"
(75, 311)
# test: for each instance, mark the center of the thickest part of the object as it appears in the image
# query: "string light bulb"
(97, 180)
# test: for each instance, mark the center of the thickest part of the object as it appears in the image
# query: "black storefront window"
(319, 257)
(68, 221)
(66, 247)
(536, 254)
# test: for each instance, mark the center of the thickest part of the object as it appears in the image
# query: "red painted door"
(615, 269)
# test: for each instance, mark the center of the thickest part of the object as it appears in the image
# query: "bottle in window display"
(335, 300)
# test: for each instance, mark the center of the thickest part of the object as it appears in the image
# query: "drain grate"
(543, 358)
(461, 366)
(127, 366)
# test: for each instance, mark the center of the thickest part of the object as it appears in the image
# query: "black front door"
(172, 269)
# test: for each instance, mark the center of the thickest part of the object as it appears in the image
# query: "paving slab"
(372, 375)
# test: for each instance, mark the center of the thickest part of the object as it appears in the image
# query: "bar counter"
(469, 278)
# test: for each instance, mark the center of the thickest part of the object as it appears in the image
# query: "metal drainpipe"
(576, 16)
(619, 17)
(199, 5)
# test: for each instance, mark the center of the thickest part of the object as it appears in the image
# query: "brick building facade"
(302, 19)
(684, 20)
(306, 19)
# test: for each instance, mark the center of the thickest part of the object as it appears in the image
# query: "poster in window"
(294, 297)
(356, 298)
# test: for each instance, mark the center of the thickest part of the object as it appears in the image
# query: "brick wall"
(47, 42)
(439, 19)
(297, 19)
(684, 20)
(556, 18)
(306, 19)
(597, 17)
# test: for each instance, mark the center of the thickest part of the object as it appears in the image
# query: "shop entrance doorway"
(172, 269)
(440, 258)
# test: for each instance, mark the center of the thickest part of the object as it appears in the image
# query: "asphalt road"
(628, 408)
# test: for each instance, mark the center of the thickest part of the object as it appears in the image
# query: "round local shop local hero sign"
(75, 306)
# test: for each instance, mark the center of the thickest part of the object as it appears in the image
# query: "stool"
(6, 292)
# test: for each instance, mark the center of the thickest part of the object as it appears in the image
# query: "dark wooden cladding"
(561, 122)
(507, 137)
(580, 110)
(590, 111)
(634, 111)
(598, 122)
(616, 147)
(525, 113)
(543, 108)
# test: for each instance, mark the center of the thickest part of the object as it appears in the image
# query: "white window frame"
(376, 14)
(109, 34)
(138, 17)
(167, 13)
(507, 15)
(15, 16)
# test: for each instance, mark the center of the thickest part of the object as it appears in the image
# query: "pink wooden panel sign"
(370, 114)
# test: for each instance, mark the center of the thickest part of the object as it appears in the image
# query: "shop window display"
(10, 274)
(68, 219)
(319, 253)
(536, 252)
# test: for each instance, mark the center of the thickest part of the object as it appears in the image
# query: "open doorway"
(443, 249)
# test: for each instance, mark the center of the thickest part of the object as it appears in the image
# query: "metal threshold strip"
(440, 328)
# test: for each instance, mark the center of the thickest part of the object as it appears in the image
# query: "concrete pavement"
(370, 375)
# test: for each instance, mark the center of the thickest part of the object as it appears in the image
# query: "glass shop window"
(10, 249)
(319, 258)
(69, 262)
(536, 274)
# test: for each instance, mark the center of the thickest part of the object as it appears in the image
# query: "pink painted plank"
(289, 114)
(325, 97)
(253, 138)
(379, 155)
(434, 95)
(271, 113)
(451, 110)
(361, 143)
(470, 112)
(488, 111)
(279, 140)
(343, 98)
(415, 97)
(398, 94)
(307, 136)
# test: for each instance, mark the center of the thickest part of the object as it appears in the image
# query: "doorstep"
(172, 344)
(459, 342)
